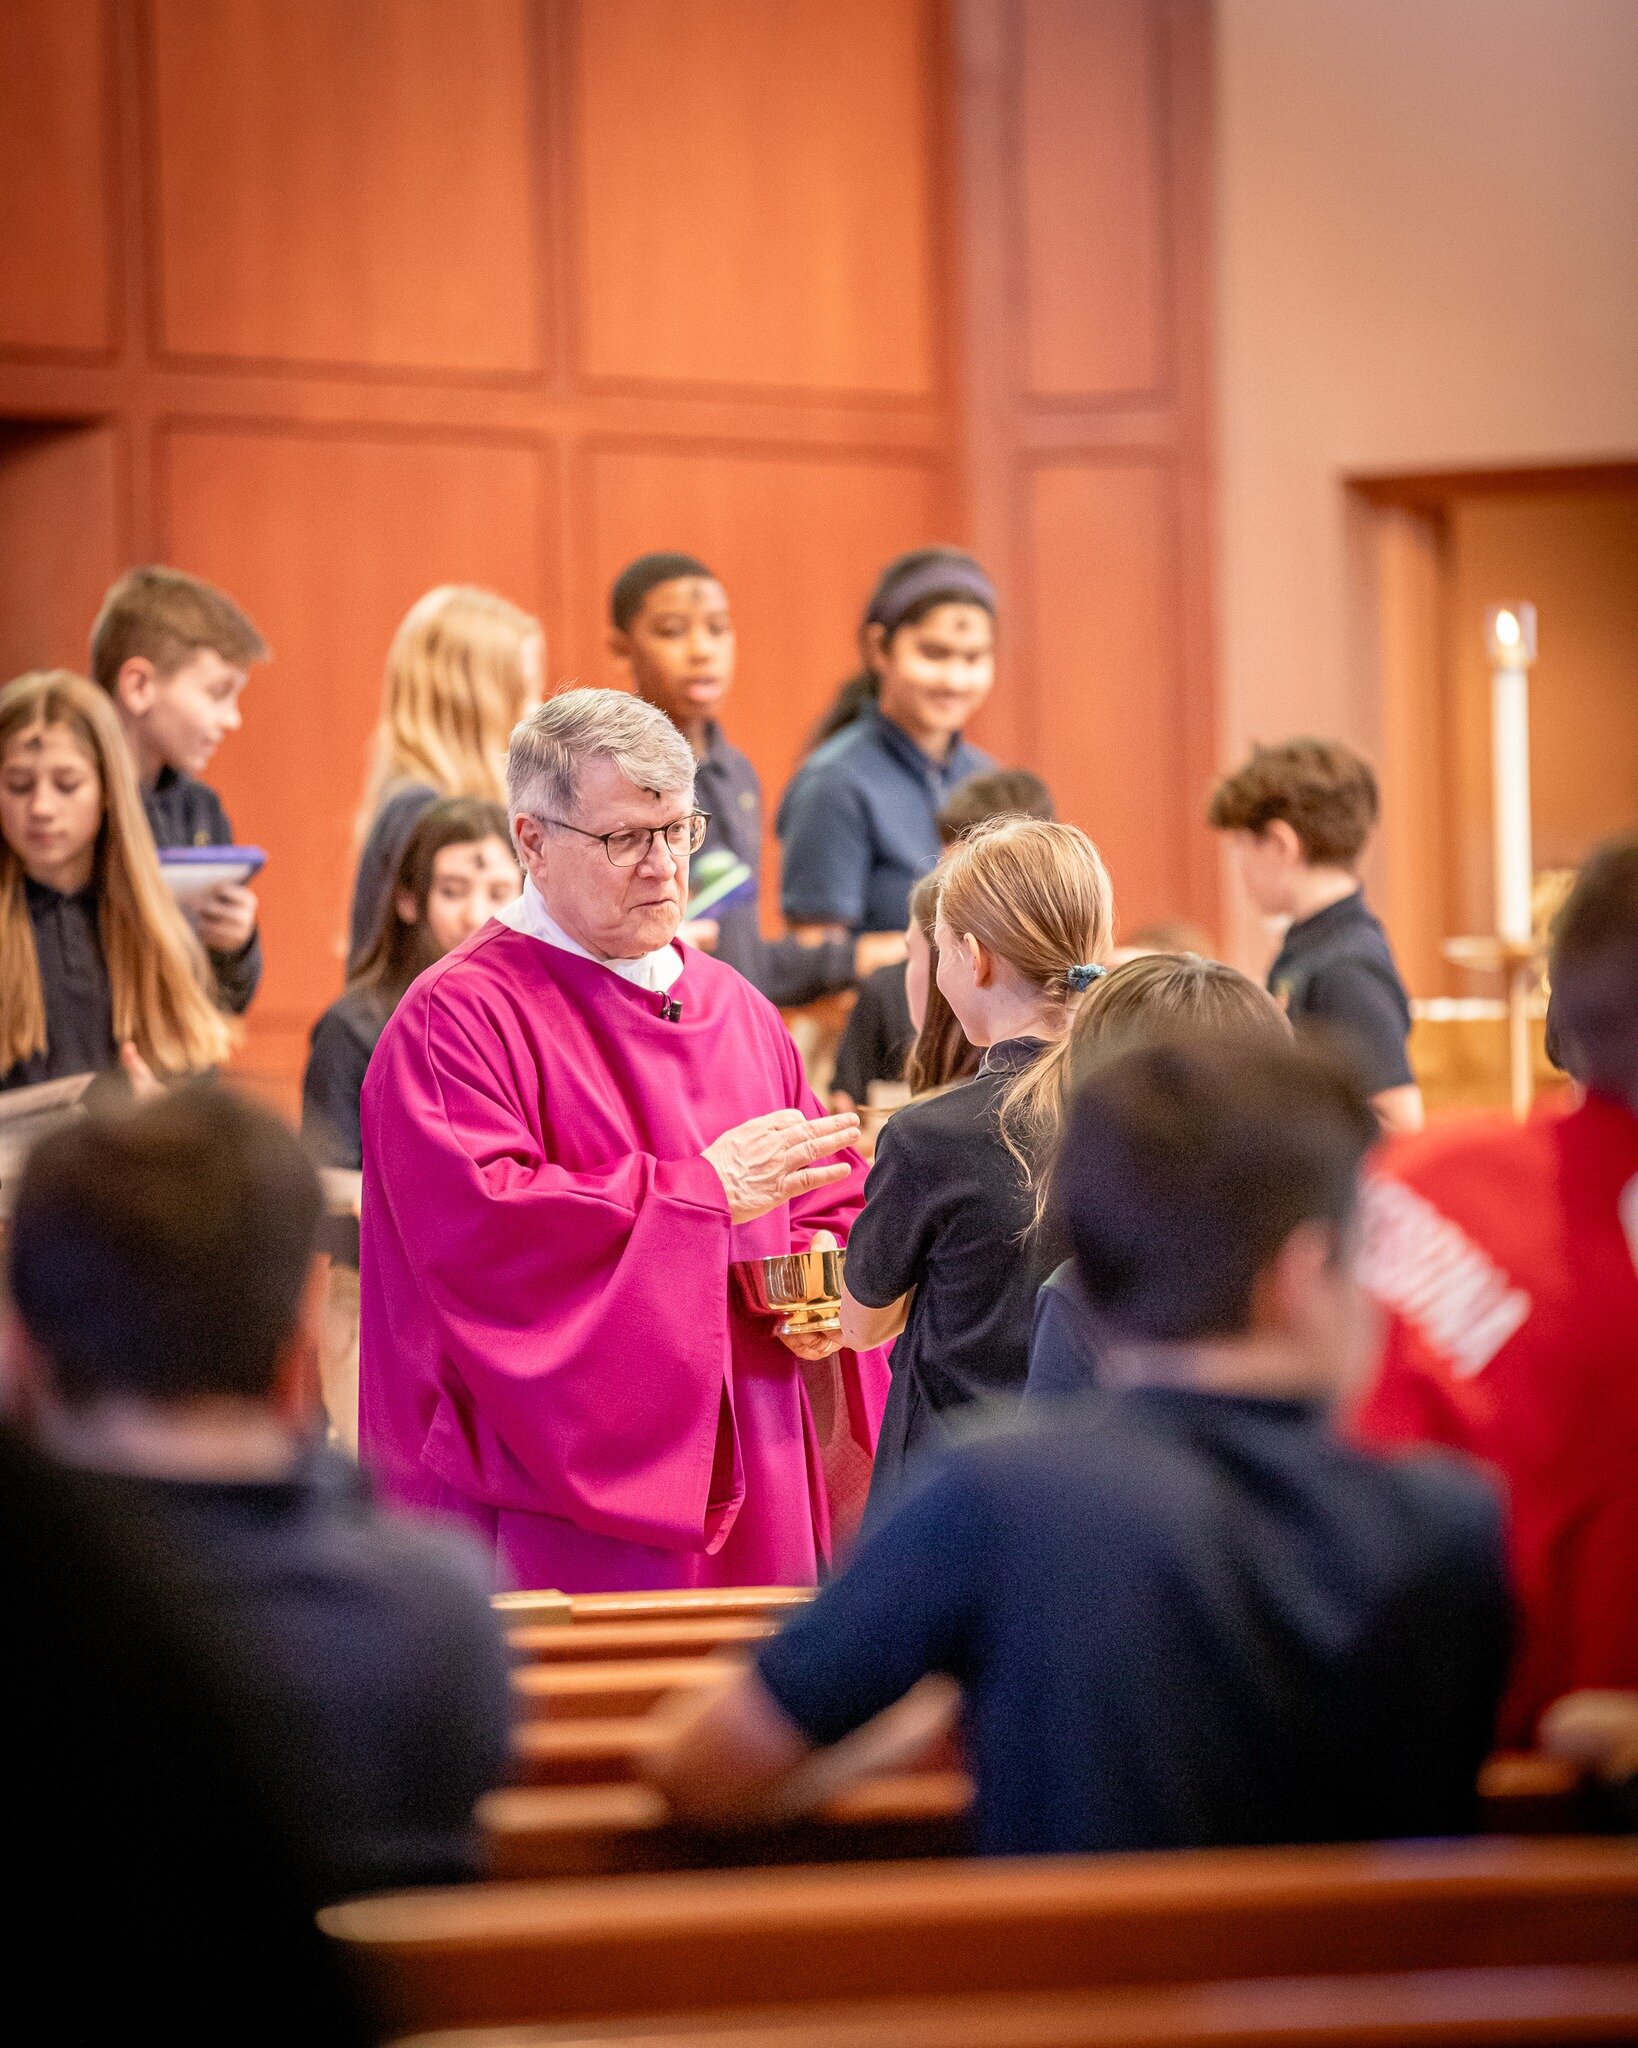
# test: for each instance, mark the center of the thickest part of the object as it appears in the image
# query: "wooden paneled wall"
(330, 300)
(1084, 190)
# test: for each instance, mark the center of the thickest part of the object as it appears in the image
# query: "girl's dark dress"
(947, 1213)
(337, 1061)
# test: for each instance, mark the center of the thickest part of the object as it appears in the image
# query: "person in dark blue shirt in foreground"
(1183, 1613)
(164, 1305)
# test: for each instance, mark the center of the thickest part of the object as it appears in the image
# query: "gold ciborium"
(803, 1289)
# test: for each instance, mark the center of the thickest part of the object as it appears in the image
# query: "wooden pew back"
(617, 1688)
(705, 1941)
(1540, 2007)
(598, 1641)
(609, 1830)
(677, 1604)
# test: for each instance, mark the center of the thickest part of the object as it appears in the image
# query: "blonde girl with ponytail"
(945, 1250)
(98, 966)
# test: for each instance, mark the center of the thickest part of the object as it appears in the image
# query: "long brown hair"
(157, 972)
(400, 951)
(1037, 895)
(941, 1055)
(1158, 994)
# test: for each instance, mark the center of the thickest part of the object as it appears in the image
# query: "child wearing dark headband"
(858, 824)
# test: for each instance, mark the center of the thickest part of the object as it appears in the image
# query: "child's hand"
(226, 918)
(145, 1084)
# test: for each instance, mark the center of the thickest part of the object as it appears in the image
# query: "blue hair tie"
(1081, 978)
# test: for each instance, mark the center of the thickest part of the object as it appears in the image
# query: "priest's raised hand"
(771, 1159)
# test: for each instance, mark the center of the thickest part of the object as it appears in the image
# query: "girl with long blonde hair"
(98, 967)
(463, 668)
(945, 1250)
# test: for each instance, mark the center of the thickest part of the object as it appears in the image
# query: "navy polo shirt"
(371, 1640)
(1336, 971)
(858, 824)
(785, 970)
(1062, 1357)
(1179, 1620)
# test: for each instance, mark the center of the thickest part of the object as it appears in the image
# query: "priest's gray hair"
(550, 746)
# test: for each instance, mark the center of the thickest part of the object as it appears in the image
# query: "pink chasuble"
(548, 1344)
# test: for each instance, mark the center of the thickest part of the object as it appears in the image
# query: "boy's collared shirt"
(878, 1035)
(859, 823)
(786, 971)
(1337, 969)
(1180, 1620)
(185, 812)
(370, 1638)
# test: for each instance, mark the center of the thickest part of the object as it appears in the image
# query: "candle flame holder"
(802, 1290)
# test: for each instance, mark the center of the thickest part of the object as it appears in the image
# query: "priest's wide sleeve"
(580, 1319)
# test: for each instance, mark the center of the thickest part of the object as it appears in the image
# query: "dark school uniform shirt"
(1336, 970)
(373, 1641)
(146, 1788)
(185, 812)
(378, 860)
(338, 1058)
(785, 970)
(1062, 1358)
(947, 1213)
(1180, 1620)
(79, 1005)
(877, 1038)
(859, 824)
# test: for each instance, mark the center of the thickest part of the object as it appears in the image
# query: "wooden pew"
(604, 1830)
(617, 1688)
(690, 1636)
(596, 1752)
(582, 1811)
(697, 1603)
(1527, 1792)
(1517, 2007)
(720, 1940)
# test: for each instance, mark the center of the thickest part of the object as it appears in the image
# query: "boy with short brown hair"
(174, 654)
(1183, 1612)
(1299, 816)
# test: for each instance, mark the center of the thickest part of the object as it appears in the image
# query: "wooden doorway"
(1442, 548)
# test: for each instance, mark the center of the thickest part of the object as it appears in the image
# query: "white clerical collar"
(528, 914)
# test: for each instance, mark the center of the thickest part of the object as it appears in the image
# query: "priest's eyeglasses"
(630, 848)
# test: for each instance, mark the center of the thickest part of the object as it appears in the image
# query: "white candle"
(1510, 762)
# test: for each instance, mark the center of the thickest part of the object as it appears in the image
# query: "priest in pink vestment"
(573, 1124)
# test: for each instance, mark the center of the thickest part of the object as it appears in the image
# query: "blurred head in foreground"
(1593, 1020)
(1207, 1190)
(161, 1258)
